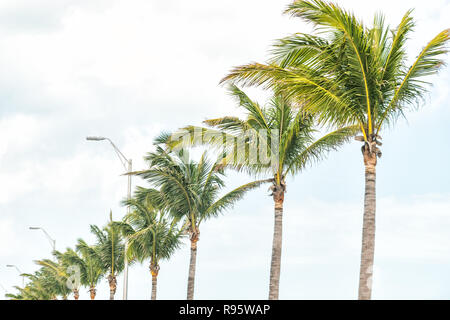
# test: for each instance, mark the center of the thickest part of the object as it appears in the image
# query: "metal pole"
(50, 239)
(124, 161)
(52, 242)
(125, 272)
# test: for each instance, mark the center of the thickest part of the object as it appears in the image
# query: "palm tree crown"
(286, 133)
(188, 189)
(349, 73)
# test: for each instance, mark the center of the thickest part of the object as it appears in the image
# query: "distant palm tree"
(151, 235)
(54, 278)
(109, 249)
(37, 288)
(350, 74)
(67, 268)
(22, 295)
(283, 142)
(32, 291)
(189, 190)
(88, 263)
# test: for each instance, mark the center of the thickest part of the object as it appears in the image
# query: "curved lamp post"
(50, 239)
(127, 164)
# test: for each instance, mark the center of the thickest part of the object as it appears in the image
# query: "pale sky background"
(129, 69)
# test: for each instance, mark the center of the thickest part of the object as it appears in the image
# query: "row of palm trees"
(188, 193)
(86, 266)
(345, 78)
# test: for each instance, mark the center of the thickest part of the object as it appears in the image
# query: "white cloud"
(19, 132)
(6, 234)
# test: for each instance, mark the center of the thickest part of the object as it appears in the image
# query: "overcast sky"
(129, 69)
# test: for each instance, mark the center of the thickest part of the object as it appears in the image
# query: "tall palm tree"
(286, 137)
(151, 235)
(109, 250)
(189, 190)
(350, 74)
(88, 263)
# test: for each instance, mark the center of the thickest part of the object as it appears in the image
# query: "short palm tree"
(88, 264)
(21, 295)
(151, 235)
(189, 190)
(16, 296)
(54, 278)
(68, 270)
(350, 74)
(109, 250)
(35, 288)
(277, 141)
(31, 291)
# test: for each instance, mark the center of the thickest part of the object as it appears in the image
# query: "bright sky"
(128, 69)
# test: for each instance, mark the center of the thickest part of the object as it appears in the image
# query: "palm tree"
(29, 292)
(280, 133)
(54, 278)
(17, 296)
(350, 74)
(37, 288)
(189, 190)
(109, 250)
(68, 268)
(151, 235)
(88, 263)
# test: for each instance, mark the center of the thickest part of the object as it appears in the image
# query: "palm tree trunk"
(76, 294)
(275, 267)
(368, 235)
(154, 271)
(192, 264)
(112, 286)
(92, 292)
(154, 283)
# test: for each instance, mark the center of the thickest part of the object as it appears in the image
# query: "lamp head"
(93, 138)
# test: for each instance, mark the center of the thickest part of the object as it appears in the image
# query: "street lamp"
(18, 270)
(127, 164)
(52, 241)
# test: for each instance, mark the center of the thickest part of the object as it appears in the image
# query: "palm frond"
(229, 199)
(319, 148)
(411, 88)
